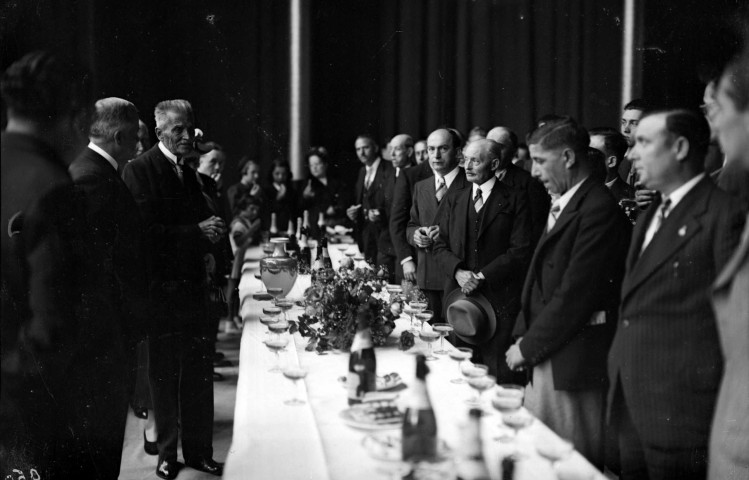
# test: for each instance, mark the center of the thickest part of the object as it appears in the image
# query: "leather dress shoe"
(207, 465)
(151, 448)
(168, 470)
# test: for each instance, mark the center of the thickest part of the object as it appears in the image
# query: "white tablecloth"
(275, 441)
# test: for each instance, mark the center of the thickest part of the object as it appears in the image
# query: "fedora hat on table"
(471, 316)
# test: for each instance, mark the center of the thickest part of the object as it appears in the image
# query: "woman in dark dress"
(280, 196)
(322, 193)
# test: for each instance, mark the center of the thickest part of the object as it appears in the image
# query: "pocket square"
(598, 318)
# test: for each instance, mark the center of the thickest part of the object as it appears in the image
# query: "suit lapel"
(677, 229)
(568, 214)
(462, 204)
(497, 202)
(638, 235)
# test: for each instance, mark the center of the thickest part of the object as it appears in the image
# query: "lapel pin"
(683, 231)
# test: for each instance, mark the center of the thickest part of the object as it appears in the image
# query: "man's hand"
(463, 277)
(434, 232)
(352, 212)
(645, 197)
(472, 284)
(255, 190)
(373, 214)
(212, 228)
(514, 358)
(422, 238)
(330, 211)
(409, 271)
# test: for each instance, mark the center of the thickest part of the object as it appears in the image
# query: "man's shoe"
(207, 465)
(151, 448)
(168, 470)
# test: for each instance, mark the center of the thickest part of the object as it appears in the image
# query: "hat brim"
(482, 301)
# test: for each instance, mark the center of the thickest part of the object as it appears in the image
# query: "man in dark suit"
(115, 287)
(613, 145)
(423, 226)
(484, 245)
(180, 231)
(376, 177)
(401, 209)
(519, 179)
(665, 363)
(45, 347)
(571, 291)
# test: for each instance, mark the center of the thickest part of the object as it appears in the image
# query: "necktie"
(441, 189)
(178, 170)
(368, 179)
(660, 215)
(478, 202)
(553, 215)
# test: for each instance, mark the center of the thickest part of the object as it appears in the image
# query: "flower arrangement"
(333, 302)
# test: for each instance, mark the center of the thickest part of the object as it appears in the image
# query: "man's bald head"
(402, 150)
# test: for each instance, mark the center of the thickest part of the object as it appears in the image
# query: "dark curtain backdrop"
(409, 66)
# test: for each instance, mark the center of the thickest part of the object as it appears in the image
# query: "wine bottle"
(273, 227)
(326, 262)
(291, 246)
(419, 437)
(473, 466)
(362, 364)
(508, 467)
(321, 223)
(298, 229)
(305, 257)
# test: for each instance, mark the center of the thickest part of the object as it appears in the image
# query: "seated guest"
(613, 145)
(729, 436)
(249, 183)
(243, 232)
(570, 296)
(280, 195)
(375, 178)
(665, 362)
(484, 245)
(323, 193)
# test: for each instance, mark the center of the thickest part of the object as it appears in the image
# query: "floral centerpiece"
(333, 303)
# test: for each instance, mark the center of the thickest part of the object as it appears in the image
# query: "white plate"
(349, 420)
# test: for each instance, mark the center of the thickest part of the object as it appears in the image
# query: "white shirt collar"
(486, 188)
(167, 153)
(109, 158)
(678, 194)
(449, 177)
(611, 183)
(567, 196)
(373, 167)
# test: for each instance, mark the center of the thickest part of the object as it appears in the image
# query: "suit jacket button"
(625, 323)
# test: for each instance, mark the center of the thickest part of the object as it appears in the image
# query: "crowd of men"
(631, 341)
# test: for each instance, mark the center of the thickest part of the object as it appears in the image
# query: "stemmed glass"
(267, 320)
(279, 327)
(284, 304)
(508, 400)
(472, 371)
(517, 421)
(424, 316)
(443, 329)
(429, 337)
(275, 293)
(460, 355)
(276, 345)
(481, 384)
(416, 307)
(555, 451)
(294, 374)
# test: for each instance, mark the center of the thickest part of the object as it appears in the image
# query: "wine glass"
(460, 355)
(275, 292)
(267, 320)
(424, 316)
(480, 384)
(294, 374)
(472, 371)
(555, 451)
(276, 345)
(443, 329)
(508, 400)
(517, 421)
(284, 304)
(279, 327)
(429, 336)
(417, 307)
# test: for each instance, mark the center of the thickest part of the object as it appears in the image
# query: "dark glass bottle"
(305, 256)
(473, 465)
(362, 364)
(273, 225)
(291, 246)
(326, 262)
(419, 439)
(306, 227)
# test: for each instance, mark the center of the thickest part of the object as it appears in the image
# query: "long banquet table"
(272, 440)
